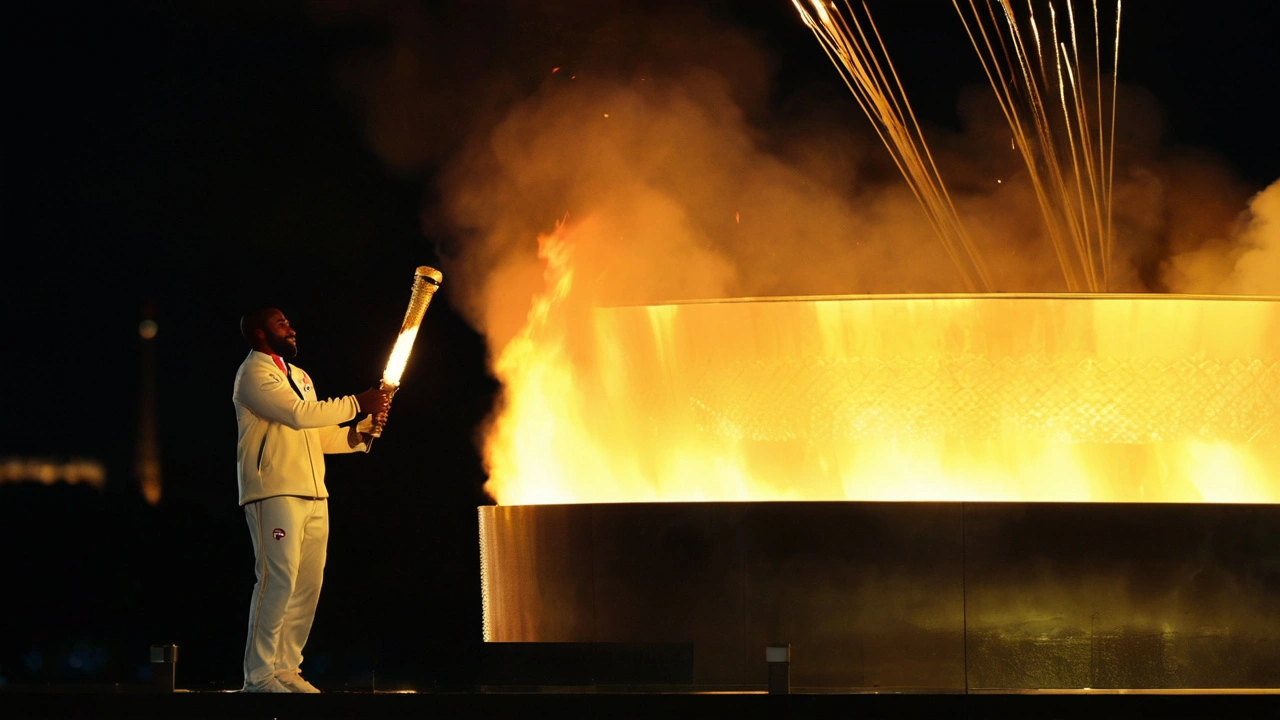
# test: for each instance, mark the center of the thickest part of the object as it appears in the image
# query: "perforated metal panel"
(1064, 399)
(1067, 368)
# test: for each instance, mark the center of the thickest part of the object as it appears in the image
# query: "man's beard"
(281, 347)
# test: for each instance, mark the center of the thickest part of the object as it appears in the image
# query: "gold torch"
(426, 280)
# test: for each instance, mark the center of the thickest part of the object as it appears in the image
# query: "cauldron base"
(912, 596)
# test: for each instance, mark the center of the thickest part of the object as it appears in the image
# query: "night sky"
(190, 160)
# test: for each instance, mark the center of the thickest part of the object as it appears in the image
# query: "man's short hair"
(252, 320)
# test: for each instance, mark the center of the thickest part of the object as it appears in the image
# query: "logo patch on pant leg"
(277, 533)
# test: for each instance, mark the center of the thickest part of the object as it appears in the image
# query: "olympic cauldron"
(953, 493)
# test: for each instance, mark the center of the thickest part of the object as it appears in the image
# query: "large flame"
(1086, 398)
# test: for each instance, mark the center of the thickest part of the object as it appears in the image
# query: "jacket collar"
(265, 359)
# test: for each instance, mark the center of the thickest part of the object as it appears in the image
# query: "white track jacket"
(284, 433)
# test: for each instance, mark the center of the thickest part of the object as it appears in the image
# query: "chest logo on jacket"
(278, 533)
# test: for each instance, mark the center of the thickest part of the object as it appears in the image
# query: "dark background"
(193, 160)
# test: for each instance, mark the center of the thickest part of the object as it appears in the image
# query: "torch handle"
(390, 390)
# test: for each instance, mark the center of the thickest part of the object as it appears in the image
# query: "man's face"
(280, 336)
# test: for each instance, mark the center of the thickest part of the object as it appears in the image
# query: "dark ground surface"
(48, 702)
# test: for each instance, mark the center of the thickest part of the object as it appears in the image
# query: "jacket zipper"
(306, 437)
(314, 485)
(262, 447)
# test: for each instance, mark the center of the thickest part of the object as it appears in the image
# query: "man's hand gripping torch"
(426, 280)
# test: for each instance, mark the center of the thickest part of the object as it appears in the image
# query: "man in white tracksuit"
(284, 434)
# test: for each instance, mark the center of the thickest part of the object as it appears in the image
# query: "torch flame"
(399, 357)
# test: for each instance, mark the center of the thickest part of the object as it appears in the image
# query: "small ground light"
(778, 658)
(163, 660)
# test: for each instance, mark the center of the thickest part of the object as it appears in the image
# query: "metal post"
(778, 658)
(163, 660)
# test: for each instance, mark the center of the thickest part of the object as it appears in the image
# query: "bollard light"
(778, 658)
(163, 660)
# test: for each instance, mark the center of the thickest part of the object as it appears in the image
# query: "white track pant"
(290, 537)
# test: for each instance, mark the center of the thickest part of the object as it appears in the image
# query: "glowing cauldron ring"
(1081, 368)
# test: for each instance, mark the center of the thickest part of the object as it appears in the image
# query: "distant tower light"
(146, 466)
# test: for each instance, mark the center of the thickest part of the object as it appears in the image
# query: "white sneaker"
(271, 685)
(295, 684)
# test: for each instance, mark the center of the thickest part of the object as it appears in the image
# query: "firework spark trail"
(1005, 93)
(886, 105)
(1042, 149)
(1080, 107)
(1111, 160)
(1072, 178)
(1086, 154)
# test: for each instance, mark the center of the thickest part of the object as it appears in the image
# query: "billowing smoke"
(1244, 262)
(651, 131)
